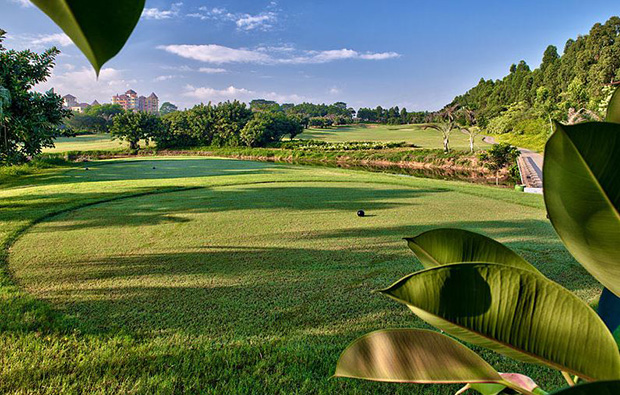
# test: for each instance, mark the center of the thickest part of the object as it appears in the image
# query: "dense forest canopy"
(581, 78)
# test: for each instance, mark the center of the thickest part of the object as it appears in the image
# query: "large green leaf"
(613, 109)
(582, 194)
(598, 388)
(515, 312)
(517, 380)
(413, 356)
(99, 28)
(444, 246)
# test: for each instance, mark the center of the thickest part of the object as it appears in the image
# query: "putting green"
(253, 281)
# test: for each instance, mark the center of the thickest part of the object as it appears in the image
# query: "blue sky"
(416, 54)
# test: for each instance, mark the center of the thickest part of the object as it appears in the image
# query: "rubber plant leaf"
(516, 379)
(99, 28)
(613, 109)
(515, 312)
(445, 246)
(581, 180)
(413, 356)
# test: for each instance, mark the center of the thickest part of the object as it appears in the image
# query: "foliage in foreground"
(479, 291)
(98, 28)
(29, 120)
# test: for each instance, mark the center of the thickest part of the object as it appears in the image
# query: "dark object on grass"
(86, 168)
(153, 167)
(360, 213)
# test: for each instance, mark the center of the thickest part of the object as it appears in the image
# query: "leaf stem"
(568, 379)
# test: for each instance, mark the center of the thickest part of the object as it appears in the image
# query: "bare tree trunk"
(6, 143)
(446, 144)
(471, 143)
(497, 178)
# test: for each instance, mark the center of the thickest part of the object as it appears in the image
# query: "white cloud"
(218, 54)
(216, 95)
(263, 21)
(379, 56)
(38, 41)
(59, 39)
(164, 78)
(157, 14)
(218, 14)
(206, 94)
(83, 84)
(316, 57)
(334, 91)
(211, 70)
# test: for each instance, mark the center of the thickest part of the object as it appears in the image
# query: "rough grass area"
(412, 134)
(215, 276)
(534, 142)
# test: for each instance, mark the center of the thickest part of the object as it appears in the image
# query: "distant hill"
(520, 105)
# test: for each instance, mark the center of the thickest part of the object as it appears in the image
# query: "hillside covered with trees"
(573, 86)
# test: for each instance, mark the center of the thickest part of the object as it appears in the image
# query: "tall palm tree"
(448, 116)
(5, 102)
(471, 129)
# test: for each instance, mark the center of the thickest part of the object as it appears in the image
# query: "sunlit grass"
(227, 276)
(413, 134)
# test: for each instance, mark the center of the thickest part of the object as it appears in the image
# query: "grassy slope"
(236, 287)
(429, 138)
(534, 142)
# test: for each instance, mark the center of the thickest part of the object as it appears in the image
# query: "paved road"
(530, 163)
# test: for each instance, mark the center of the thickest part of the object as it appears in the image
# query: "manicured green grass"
(414, 134)
(86, 142)
(227, 276)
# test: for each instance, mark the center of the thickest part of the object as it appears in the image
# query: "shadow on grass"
(142, 169)
(297, 197)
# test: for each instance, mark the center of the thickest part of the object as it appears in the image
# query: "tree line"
(392, 116)
(572, 87)
(224, 124)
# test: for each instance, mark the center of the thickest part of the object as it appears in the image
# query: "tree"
(167, 108)
(5, 102)
(498, 157)
(448, 117)
(135, 126)
(104, 111)
(32, 120)
(470, 127)
(85, 123)
(267, 127)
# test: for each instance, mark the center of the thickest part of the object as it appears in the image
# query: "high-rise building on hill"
(132, 102)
